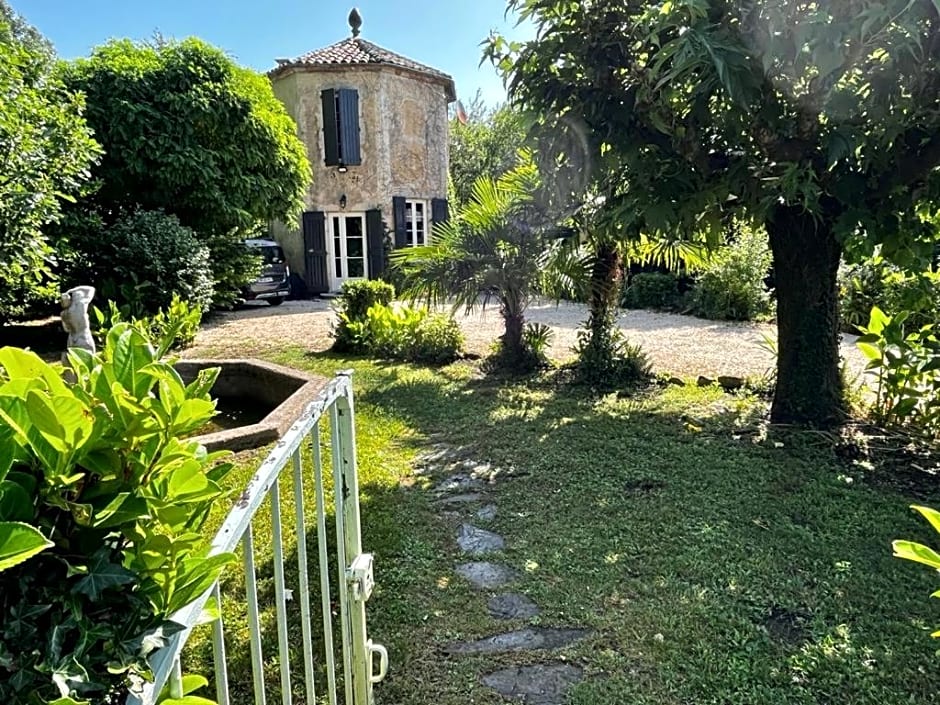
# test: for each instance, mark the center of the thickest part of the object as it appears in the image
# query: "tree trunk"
(806, 258)
(606, 276)
(512, 336)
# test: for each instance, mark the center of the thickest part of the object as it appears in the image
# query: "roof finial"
(355, 21)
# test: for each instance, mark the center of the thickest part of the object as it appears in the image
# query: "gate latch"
(359, 576)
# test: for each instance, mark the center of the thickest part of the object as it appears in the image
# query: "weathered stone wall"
(403, 136)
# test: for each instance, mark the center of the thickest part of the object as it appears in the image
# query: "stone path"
(461, 494)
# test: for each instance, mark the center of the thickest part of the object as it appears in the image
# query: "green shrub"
(731, 283)
(536, 340)
(141, 261)
(171, 328)
(907, 369)
(356, 300)
(608, 360)
(877, 282)
(233, 267)
(438, 340)
(655, 290)
(403, 332)
(98, 469)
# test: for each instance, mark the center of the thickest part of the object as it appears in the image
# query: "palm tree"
(592, 268)
(492, 248)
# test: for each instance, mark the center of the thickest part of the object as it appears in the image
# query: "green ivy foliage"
(46, 149)
(187, 131)
(100, 472)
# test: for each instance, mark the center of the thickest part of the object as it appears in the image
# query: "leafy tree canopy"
(45, 151)
(487, 145)
(187, 130)
(821, 121)
(710, 105)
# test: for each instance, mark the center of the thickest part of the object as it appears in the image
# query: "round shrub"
(356, 300)
(437, 340)
(731, 284)
(655, 290)
(142, 260)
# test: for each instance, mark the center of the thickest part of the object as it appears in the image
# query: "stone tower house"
(376, 129)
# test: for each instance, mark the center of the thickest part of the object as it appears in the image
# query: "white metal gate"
(359, 654)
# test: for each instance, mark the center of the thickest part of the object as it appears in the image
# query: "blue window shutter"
(330, 128)
(398, 211)
(350, 153)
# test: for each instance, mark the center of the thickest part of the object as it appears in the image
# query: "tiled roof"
(359, 52)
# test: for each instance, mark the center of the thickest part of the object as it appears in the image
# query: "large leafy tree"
(487, 145)
(45, 152)
(187, 131)
(820, 121)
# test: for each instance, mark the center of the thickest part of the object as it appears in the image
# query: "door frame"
(336, 282)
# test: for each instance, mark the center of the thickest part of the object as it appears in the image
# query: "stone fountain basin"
(284, 391)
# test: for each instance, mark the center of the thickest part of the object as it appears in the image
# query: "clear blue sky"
(444, 34)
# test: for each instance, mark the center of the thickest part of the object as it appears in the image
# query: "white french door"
(347, 241)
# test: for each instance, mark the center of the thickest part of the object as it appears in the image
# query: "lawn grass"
(713, 565)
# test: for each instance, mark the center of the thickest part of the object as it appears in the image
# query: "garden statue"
(75, 321)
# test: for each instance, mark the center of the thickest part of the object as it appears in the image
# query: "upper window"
(341, 127)
(415, 223)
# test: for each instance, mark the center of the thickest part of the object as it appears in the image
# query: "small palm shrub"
(731, 284)
(403, 332)
(354, 303)
(655, 290)
(493, 248)
(607, 360)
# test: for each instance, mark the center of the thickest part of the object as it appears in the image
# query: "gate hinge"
(360, 578)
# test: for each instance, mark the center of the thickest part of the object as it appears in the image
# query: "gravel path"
(680, 345)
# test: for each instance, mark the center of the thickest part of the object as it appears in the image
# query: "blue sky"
(442, 33)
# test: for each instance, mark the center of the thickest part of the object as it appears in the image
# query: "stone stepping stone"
(468, 498)
(541, 684)
(478, 542)
(461, 482)
(487, 513)
(486, 576)
(512, 606)
(521, 640)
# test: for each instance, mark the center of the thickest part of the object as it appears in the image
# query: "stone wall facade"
(403, 125)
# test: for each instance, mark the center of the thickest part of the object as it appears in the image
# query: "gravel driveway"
(680, 345)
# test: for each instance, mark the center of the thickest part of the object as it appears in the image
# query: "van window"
(272, 254)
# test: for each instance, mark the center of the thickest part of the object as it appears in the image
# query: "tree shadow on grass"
(664, 497)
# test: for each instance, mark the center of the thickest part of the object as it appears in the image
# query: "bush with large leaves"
(45, 151)
(101, 510)
(187, 131)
